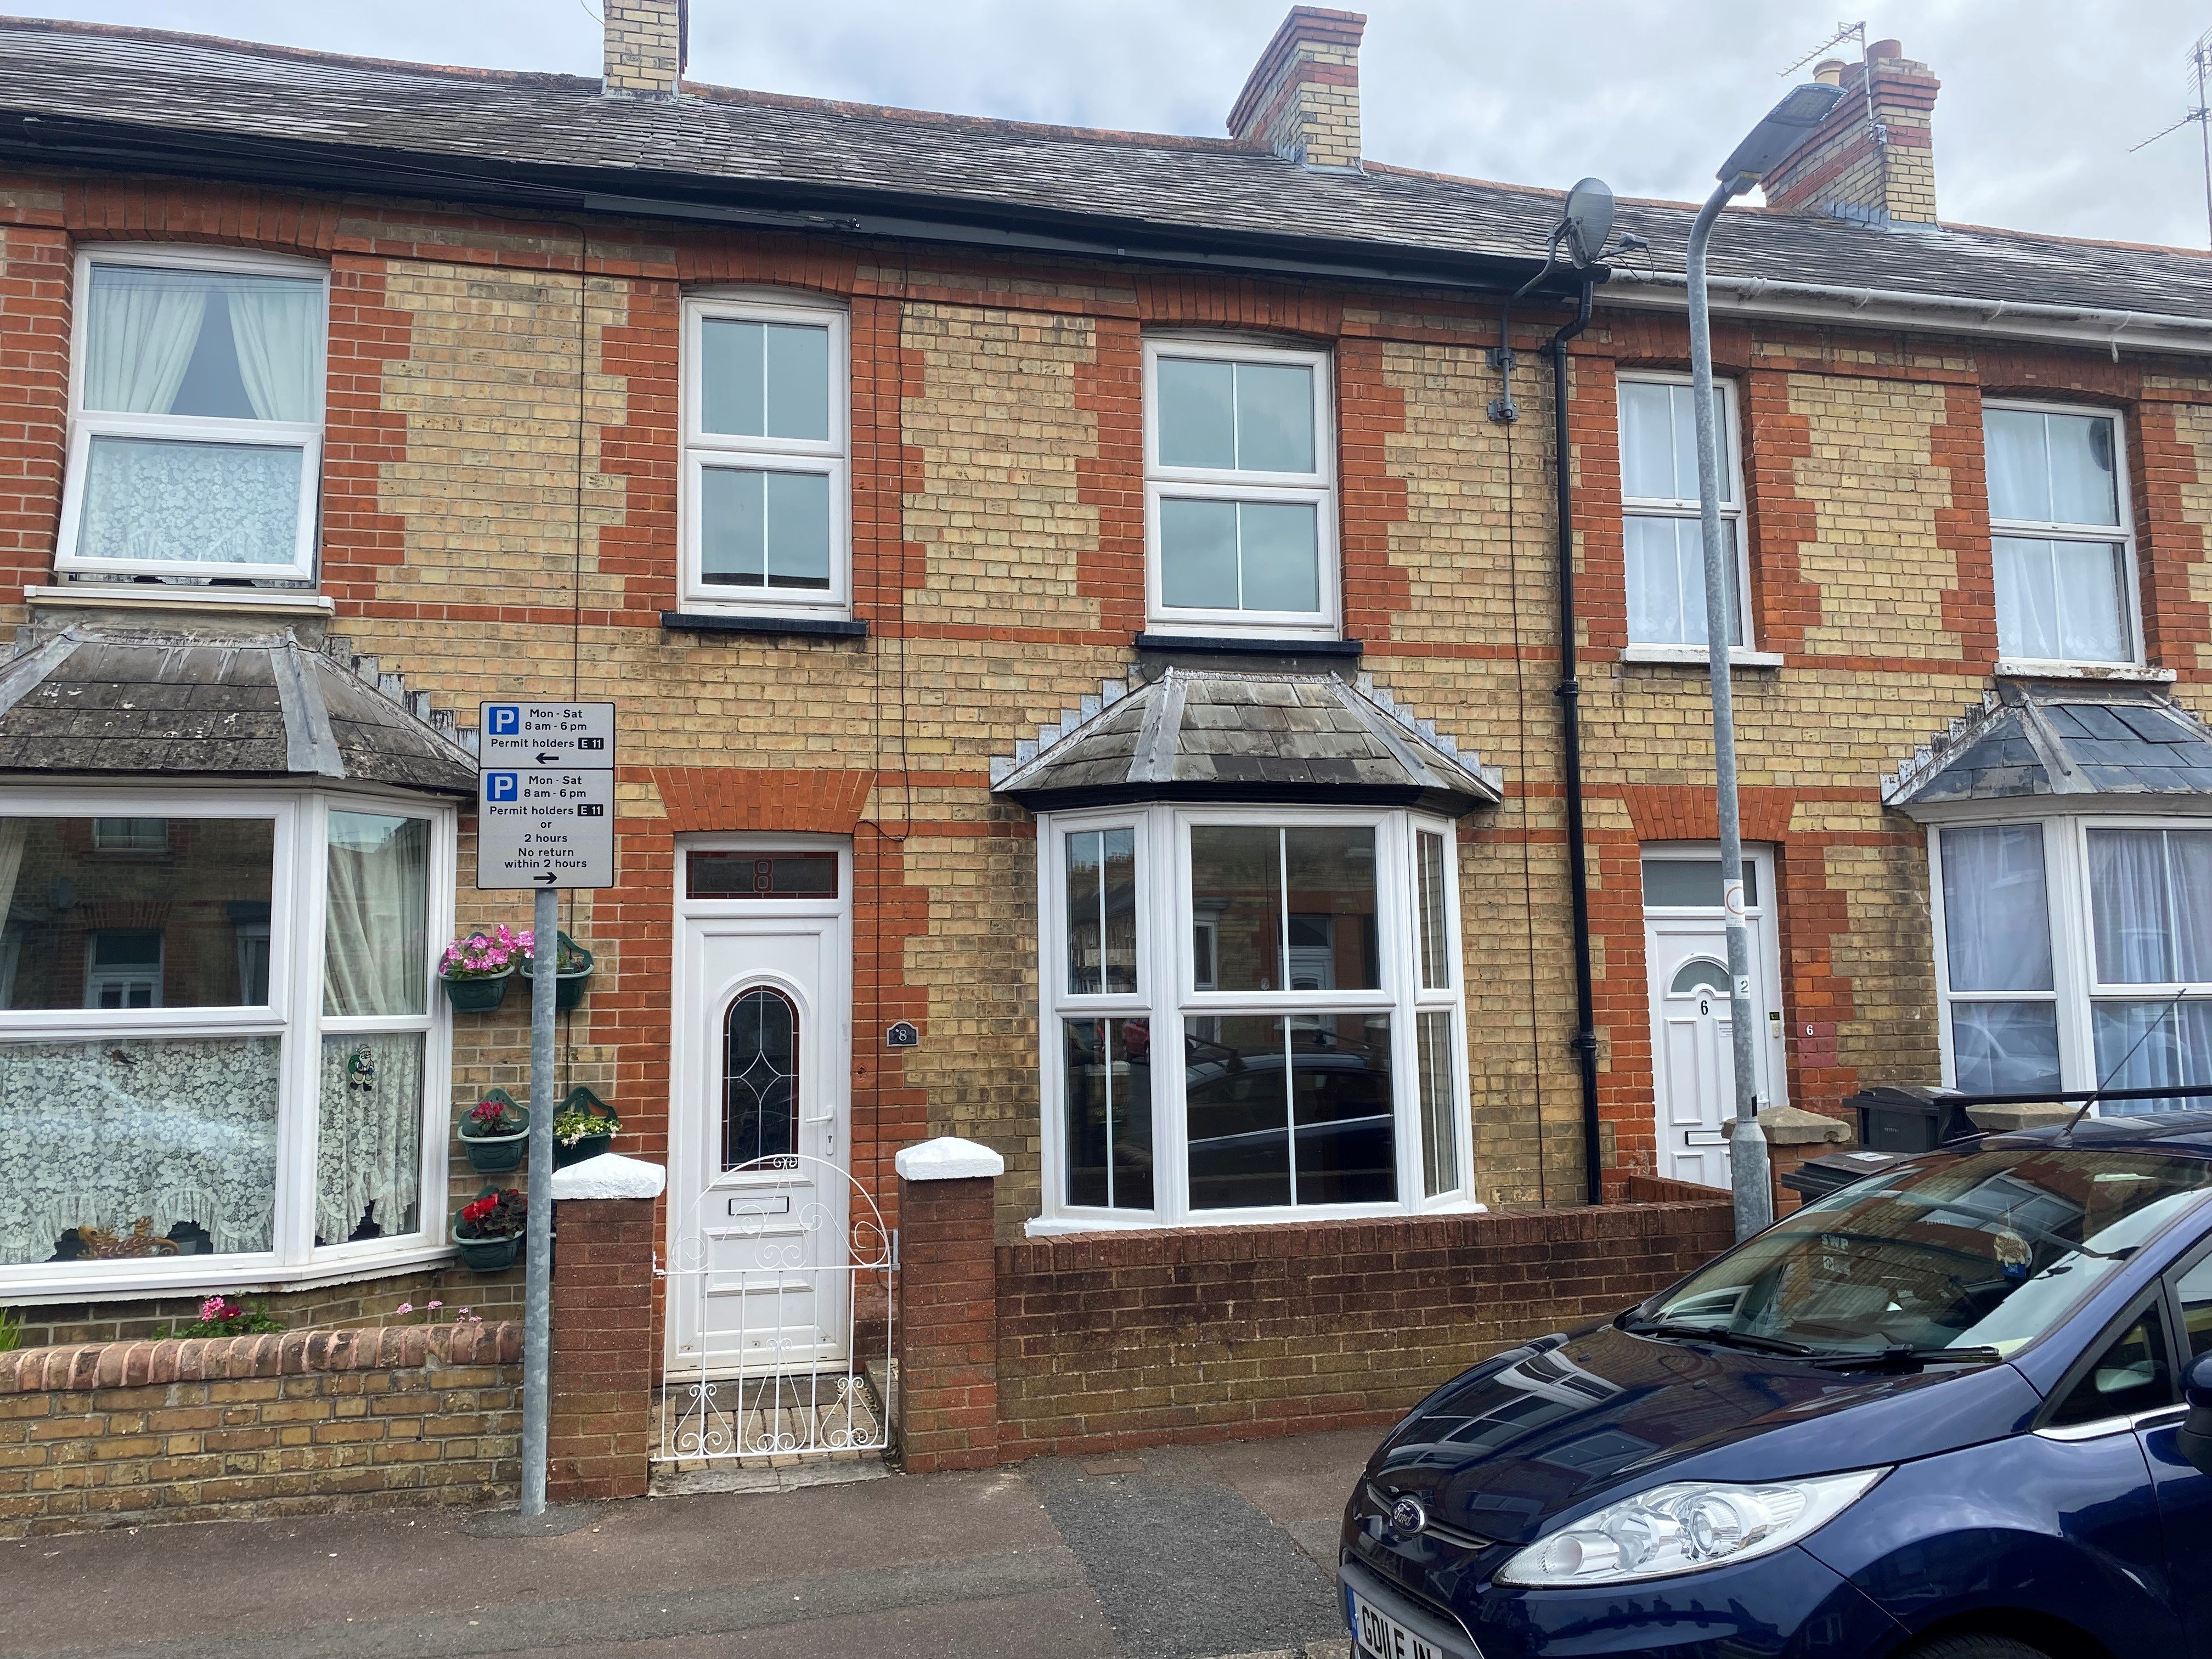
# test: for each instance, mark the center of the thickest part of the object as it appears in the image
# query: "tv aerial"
(2200, 68)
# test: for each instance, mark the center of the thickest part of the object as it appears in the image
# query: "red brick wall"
(1130, 1338)
(948, 1406)
(605, 1354)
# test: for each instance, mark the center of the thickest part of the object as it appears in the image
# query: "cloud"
(2041, 100)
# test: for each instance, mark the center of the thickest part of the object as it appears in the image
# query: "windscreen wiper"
(1712, 1334)
(1900, 1353)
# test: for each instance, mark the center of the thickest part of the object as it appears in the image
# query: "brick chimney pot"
(1302, 98)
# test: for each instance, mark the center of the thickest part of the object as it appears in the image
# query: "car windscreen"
(1985, 1249)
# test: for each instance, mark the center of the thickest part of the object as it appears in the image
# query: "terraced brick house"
(1065, 592)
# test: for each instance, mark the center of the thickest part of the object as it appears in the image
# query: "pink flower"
(433, 1306)
(213, 1308)
(406, 1308)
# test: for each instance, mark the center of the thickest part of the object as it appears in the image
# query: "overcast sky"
(2041, 99)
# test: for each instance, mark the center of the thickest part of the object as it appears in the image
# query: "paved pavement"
(1179, 1552)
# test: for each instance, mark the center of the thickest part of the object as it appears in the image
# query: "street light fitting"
(1785, 127)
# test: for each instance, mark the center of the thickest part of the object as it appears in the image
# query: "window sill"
(45, 1284)
(708, 621)
(266, 601)
(2028, 668)
(1695, 656)
(1246, 645)
(1057, 1226)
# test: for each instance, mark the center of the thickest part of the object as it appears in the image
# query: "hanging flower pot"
(489, 1229)
(475, 971)
(495, 1134)
(584, 1126)
(572, 965)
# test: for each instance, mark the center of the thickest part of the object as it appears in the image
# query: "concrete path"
(1181, 1553)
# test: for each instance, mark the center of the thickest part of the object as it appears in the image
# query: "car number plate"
(1381, 1637)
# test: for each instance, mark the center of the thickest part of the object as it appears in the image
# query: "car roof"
(2187, 1134)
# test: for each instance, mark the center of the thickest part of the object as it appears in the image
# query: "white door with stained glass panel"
(759, 1215)
(1692, 1036)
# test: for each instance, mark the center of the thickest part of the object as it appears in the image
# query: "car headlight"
(1686, 1526)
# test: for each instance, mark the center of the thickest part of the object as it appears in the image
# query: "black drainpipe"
(1569, 692)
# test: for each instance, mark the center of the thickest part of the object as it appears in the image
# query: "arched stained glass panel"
(1699, 974)
(760, 1078)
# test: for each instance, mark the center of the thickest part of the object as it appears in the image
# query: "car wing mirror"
(2194, 1441)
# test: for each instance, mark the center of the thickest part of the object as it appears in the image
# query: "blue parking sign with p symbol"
(505, 719)
(502, 785)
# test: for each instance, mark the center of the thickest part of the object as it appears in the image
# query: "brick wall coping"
(289, 1354)
(610, 1175)
(948, 1157)
(1503, 1226)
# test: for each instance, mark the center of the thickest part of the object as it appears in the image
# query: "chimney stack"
(647, 43)
(1302, 100)
(1880, 172)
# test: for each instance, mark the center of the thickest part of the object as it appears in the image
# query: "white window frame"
(1166, 993)
(85, 425)
(2123, 534)
(293, 1015)
(1213, 484)
(1655, 506)
(831, 457)
(2075, 987)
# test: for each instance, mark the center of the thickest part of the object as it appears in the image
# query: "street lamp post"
(1785, 127)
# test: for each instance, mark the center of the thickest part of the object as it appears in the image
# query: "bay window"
(2077, 953)
(1240, 500)
(1250, 1014)
(219, 1059)
(766, 507)
(1661, 529)
(196, 414)
(2060, 536)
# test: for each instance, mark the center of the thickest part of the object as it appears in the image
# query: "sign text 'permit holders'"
(545, 795)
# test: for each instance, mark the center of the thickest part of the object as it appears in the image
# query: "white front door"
(759, 1208)
(1693, 1038)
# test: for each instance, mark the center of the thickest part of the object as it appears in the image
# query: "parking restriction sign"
(545, 794)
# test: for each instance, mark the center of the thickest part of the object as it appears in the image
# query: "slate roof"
(440, 132)
(85, 700)
(2045, 740)
(1197, 734)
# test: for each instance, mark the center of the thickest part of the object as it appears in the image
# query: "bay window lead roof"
(2059, 740)
(1203, 735)
(90, 700)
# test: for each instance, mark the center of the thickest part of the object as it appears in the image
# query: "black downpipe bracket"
(1569, 692)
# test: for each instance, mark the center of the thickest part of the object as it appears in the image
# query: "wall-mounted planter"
(476, 993)
(498, 1154)
(488, 1255)
(569, 985)
(581, 1099)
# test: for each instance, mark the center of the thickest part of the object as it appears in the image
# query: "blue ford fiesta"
(1961, 1410)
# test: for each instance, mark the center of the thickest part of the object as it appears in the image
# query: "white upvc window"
(1240, 490)
(1661, 529)
(1250, 1014)
(196, 414)
(767, 490)
(224, 1061)
(2075, 953)
(2061, 535)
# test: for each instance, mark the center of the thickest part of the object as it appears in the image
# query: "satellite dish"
(1588, 221)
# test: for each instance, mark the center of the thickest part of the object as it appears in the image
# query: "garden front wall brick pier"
(308, 1422)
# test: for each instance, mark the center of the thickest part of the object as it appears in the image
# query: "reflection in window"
(1282, 1111)
(761, 875)
(1102, 912)
(2132, 1375)
(1109, 1112)
(96, 915)
(760, 1078)
(1699, 974)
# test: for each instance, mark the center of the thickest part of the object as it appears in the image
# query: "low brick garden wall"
(308, 1422)
(1093, 1341)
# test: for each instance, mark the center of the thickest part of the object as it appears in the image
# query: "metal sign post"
(544, 822)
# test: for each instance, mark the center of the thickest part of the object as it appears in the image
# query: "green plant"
(579, 1120)
(499, 1214)
(568, 956)
(11, 1331)
(491, 1116)
(223, 1315)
